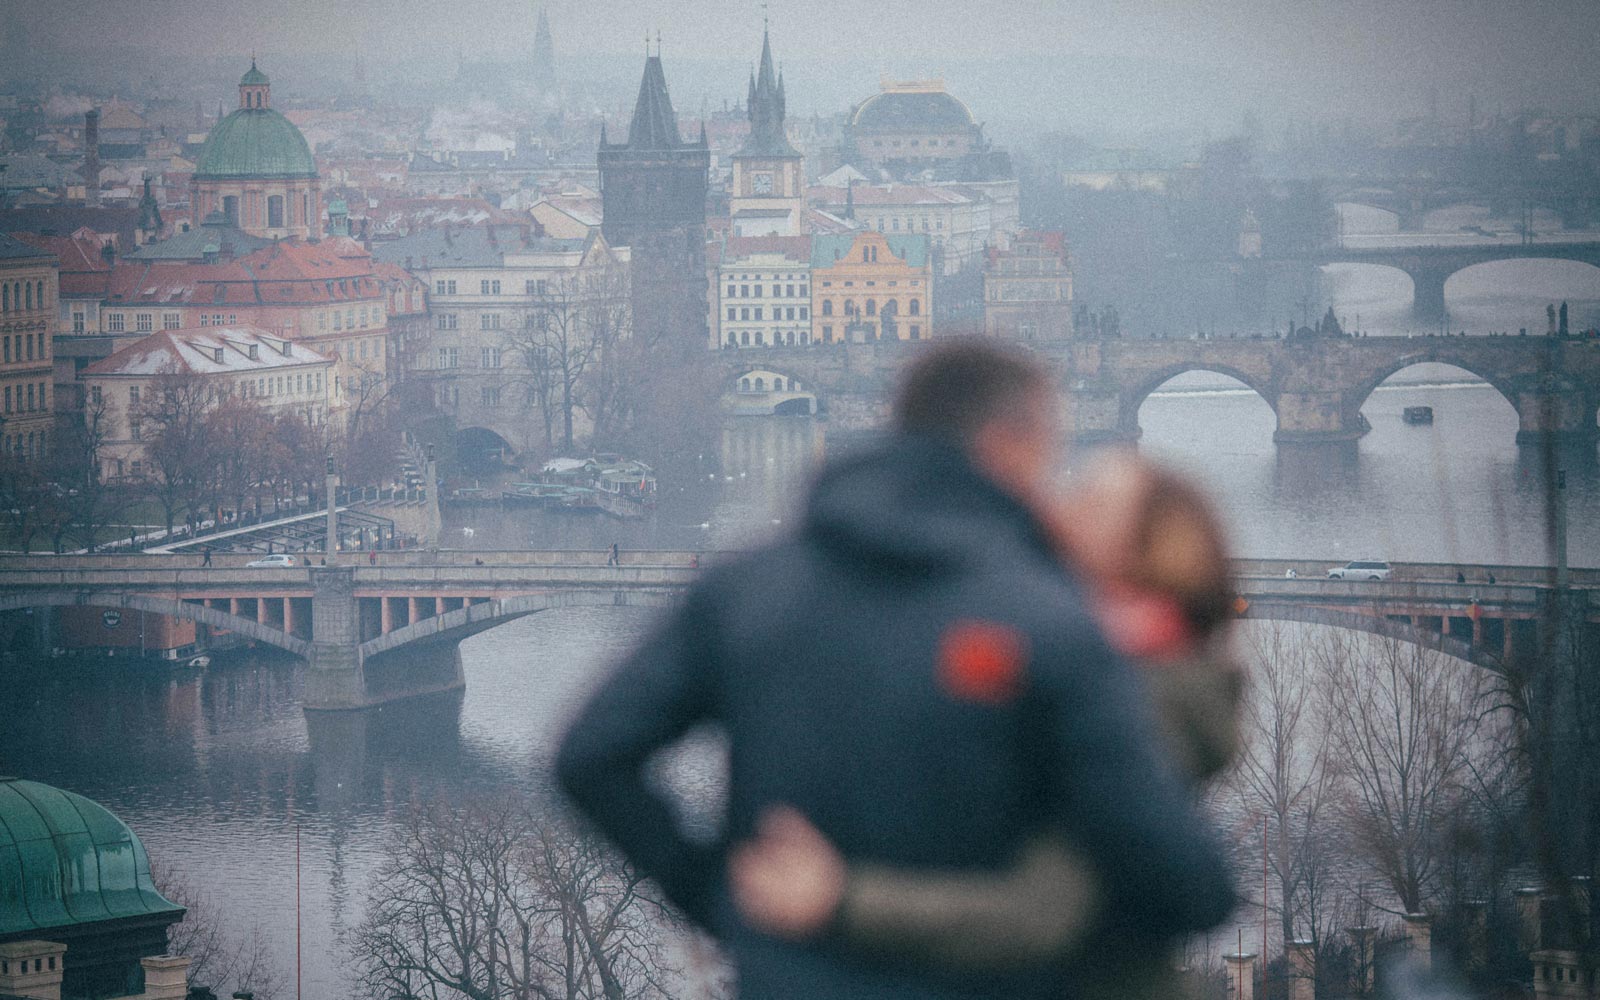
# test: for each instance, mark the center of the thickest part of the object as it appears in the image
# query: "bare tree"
(1284, 774)
(1404, 725)
(556, 345)
(170, 418)
(490, 899)
(75, 465)
(218, 957)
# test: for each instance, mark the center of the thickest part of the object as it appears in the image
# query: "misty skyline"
(1088, 65)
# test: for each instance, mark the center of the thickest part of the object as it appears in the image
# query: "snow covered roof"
(217, 350)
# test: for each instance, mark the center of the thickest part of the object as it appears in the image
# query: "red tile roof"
(283, 274)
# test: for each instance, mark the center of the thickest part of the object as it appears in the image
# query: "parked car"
(281, 560)
(1361, 569)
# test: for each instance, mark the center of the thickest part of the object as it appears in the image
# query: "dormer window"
(216, 355)
(254, 352)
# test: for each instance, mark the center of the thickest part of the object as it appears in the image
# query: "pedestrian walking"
(613, 557)
(205, 554)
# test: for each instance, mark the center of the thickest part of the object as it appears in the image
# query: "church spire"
(544, 52)
(655, 124)
(766, 109)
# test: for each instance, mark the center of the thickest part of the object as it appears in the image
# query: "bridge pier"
(1099, 414)
(334, 680)
(1427, 295)
(1311, 417)
(1563, 412)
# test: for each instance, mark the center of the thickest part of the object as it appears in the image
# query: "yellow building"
(29, 284)
(869, 286)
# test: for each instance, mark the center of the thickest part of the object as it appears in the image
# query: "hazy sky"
(1146, 61)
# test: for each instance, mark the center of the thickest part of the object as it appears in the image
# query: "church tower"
(653, 199)
(768, 173)
(544, 55)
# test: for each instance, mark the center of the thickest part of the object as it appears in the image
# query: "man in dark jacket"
(916, 672)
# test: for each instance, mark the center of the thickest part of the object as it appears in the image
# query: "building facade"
(486, 287)
(234, 362)
(763, 292)
(870, 286)
(1027, 288)
(768, 194)
(29, 287)
(257, 170)
(653, 198)
(325, 294)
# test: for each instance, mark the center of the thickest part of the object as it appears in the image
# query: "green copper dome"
(255, 142)
(65, 860)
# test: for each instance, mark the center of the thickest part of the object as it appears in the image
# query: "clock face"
(761, 183)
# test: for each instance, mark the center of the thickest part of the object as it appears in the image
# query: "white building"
(233, 362)
(763, 296)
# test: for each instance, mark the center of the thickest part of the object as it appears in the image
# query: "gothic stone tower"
(544, 55)
(768, 183)
(653, 198)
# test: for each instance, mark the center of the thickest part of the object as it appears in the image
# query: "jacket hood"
(913, 505)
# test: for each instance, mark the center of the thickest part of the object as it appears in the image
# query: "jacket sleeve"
(1113, 790)
(1029, 913)
(660, 691)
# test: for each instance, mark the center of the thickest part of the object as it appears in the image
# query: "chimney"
(1241, 976)
(1365, 960)
(1302, 971)
(108, 253)
(31, 969)
(166, 977)
(1530, 919)
(1419, 939)
(91, 158)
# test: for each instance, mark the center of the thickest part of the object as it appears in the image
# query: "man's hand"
(790, 879)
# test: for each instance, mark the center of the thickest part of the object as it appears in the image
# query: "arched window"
(230, 207)
(744, 385)
(761, 385)
(744, 337)
(916, 307)
(872, 307)
(42, 302)
(5, 298)
(274, 211)
(827, 307)
(28, 288)
(777, 385)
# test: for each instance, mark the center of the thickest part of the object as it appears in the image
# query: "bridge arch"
(1439, 350)
(453, 626)
(1134, 398)
(1375, 624)
(162, 606)
(478, 445)
(1579, 273)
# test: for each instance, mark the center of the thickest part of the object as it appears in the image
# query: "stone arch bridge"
(374, 633)
(1429, 267)
(1315, 386)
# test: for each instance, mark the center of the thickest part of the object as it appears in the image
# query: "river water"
(217, 772)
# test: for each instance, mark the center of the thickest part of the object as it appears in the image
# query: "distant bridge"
(1315, 387)
(373, 633)
(1429, 267)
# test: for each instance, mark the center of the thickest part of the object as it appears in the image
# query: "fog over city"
(1108, 66)
(799, 499)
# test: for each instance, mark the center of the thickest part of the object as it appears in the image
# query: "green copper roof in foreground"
(255, 142)
(65, 860)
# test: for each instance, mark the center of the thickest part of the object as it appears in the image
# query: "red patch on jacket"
(982, 661)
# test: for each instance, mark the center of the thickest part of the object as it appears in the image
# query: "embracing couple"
(964, 706)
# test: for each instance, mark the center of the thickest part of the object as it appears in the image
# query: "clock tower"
(768, 196)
